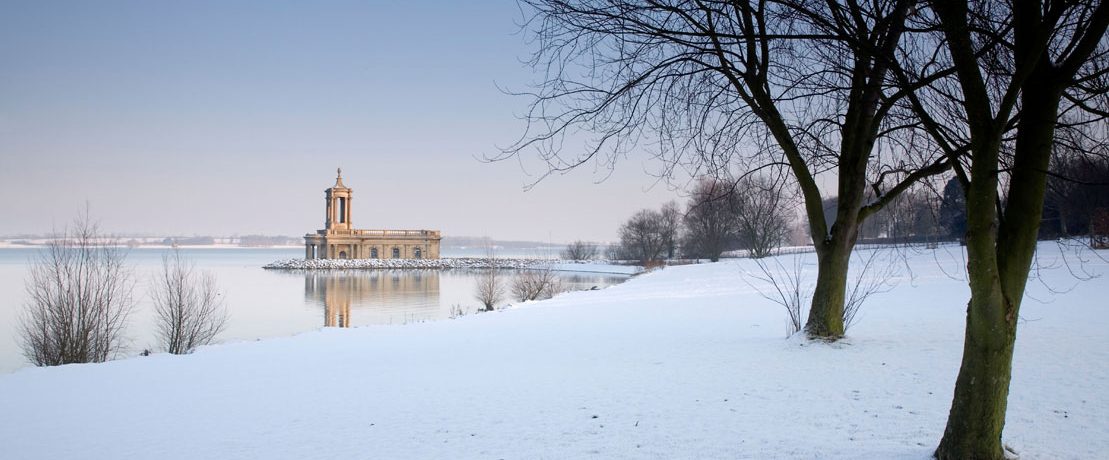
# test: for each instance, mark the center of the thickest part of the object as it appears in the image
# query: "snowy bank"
(685, 362)
(453, 263)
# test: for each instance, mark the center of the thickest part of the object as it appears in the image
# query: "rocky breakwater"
(397, 264)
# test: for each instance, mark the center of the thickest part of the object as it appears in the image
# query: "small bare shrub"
(491, 284)
(188, 307)
(536, 284)
(876, 274)
(787, 287)
(490, 288)
(80, 298)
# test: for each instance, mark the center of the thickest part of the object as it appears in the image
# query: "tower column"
(338, 206)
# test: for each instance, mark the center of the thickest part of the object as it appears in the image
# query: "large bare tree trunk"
(978, 407)
(826, 312)
(998, 264)
(827, 319)
(999, 254)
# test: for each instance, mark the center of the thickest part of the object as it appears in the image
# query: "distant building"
(339, 240)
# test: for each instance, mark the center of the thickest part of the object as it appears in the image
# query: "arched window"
(342, 254)
(396, 253)
(373, 253)
(416, 254)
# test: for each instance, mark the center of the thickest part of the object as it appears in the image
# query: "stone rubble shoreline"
(395, 264)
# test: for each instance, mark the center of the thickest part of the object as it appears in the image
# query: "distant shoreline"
(449, 263)
(6, 245)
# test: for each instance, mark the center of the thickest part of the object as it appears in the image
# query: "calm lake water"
(273, 303)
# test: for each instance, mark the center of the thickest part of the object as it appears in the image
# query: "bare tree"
(762, 222)
(670, 221)
(536, 284)
(805, 86)
(491, 283)
(580, 250)
(1021, 69)
(710, 221)
(188, 307)
(643, 237)
(615, 251)
(80, 298)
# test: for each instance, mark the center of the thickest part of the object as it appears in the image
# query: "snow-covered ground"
(685, 362)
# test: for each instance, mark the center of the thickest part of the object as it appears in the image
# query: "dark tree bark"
(831, 286)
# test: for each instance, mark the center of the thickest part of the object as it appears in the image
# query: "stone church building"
(340, 240)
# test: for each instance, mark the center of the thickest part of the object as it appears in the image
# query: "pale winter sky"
(230, 117)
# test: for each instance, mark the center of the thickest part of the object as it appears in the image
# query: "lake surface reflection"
(276, 303)
(380, 297)
(363, 297)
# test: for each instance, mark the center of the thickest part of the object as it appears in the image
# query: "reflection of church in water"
(381, 297)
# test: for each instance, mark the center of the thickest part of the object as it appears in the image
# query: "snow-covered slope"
(686, 362)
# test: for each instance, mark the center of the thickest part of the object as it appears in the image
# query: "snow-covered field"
(686, 362)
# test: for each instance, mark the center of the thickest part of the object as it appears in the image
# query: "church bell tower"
(338, 206)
